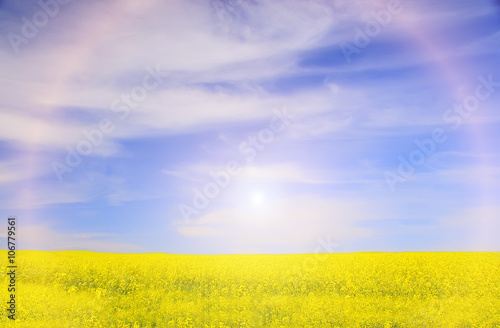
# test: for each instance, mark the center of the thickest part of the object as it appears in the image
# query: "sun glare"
(257, 198)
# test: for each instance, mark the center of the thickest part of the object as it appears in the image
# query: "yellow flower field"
(85, 289)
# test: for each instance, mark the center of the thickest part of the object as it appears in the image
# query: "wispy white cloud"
(481, 225)
(240, 41)
(290, 221)
(17, 169)
(45, 237)
(41, 195)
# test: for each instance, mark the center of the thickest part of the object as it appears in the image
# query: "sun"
(257, 198)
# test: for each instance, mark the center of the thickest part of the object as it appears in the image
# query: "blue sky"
(245, 126)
